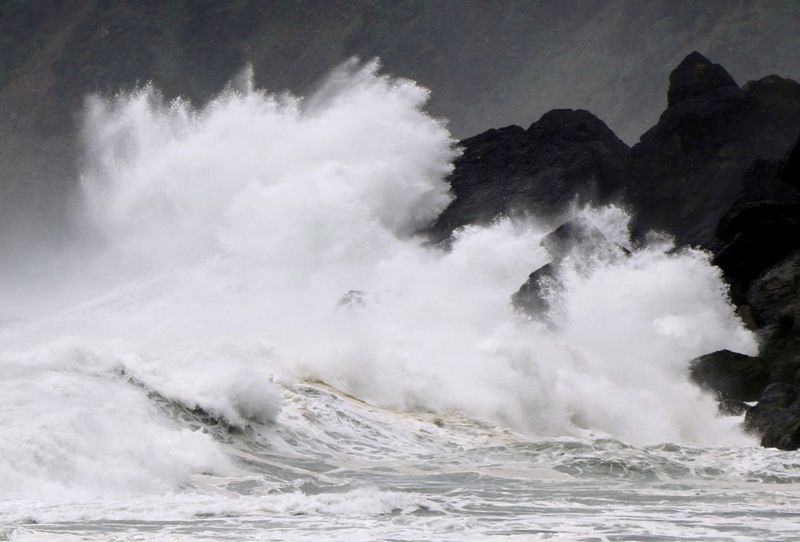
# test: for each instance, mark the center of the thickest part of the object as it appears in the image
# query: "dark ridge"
(696, 76)
(687, 170)
(566, 156)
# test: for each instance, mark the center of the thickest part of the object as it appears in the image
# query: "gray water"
(335, 468)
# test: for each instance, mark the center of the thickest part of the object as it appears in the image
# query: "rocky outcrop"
(713, 172)
(687, 170)
(730, 375)
(534, 296)
(761, 228)
(583, 244)
(774, 298)
(761, 261)
(776, 417)
(564, 157)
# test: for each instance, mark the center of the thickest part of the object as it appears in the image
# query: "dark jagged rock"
(695, 77)
(732, 376)
(563, 157)
(714, 172)
(790, 173)
(575, 237)
(761, 261)
(687, 170)
(775, 100)
(533, 297)
(762, 192)
(732, 407)
(775, 302)
(774, 297)
(761, 228)
(776, 417)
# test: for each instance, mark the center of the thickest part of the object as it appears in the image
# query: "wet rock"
(778, 395)
(776, 417)
(785, 369)
(734, 377)
(774, 298)
(353, 299)
(533, 297)
(575, 238)
(732, 407)
(564, 157)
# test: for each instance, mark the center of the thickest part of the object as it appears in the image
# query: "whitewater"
(251, 338)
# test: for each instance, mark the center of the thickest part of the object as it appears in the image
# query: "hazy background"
(488, 63)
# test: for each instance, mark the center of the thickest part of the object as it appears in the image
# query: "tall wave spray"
(261, 240)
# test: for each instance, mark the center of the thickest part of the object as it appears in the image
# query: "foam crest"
(270, 177)
(73, 427)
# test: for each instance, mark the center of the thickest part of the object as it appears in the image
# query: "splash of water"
(231, 234)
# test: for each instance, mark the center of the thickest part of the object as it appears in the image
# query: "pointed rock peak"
(694, 76)
(572, 125)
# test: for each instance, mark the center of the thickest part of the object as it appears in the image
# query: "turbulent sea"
(248, 339)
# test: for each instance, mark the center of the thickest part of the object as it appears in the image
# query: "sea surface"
(332, 467)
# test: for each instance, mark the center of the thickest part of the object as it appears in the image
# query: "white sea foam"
(229, 235)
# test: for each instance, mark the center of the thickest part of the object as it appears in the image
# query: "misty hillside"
(487, 63)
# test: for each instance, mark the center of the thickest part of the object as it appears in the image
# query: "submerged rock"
(353, 299)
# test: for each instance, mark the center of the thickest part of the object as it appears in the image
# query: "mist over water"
(258, 243)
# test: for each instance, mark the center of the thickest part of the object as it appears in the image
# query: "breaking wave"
(260, 241)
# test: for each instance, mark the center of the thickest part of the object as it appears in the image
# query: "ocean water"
(248, 340)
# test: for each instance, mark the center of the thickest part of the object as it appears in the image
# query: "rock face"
(760, 258)
(533, 297)
(774, 298)
(732, 376)
(761, 228)
(582, 242)
(776, 417)
(687, 170)
(695, 78)
(565, 156)
(715, 172)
